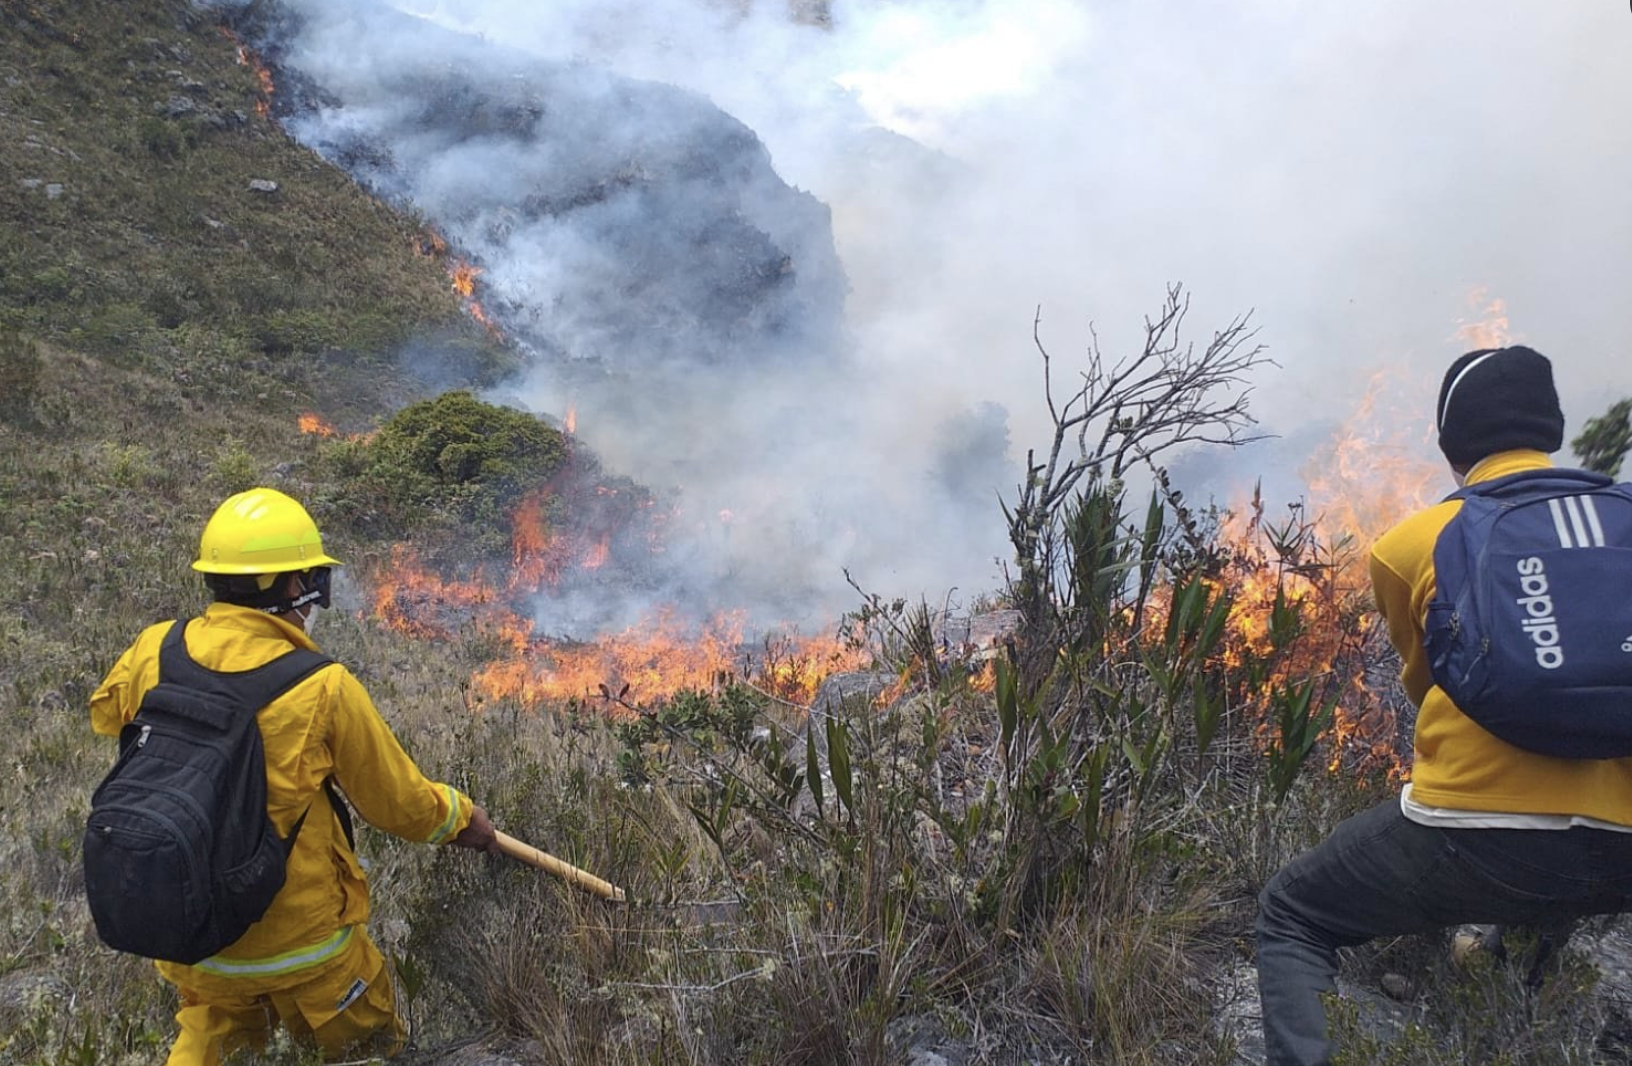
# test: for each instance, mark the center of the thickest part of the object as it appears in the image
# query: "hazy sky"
(1352, 171)
(1365, 178)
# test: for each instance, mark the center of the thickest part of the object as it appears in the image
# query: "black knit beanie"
(1496, 399)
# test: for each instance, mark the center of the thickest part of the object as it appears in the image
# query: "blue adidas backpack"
(1530, 629)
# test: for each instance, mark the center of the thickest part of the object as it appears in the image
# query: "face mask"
(1460, 479)
(309, 623)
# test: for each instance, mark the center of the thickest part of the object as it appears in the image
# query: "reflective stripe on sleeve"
(453, 815)
(288, 962)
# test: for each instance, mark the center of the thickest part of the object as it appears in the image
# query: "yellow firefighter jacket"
(1458, 764)
(326, 725)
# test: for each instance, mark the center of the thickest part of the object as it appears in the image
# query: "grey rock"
(1238, 1016)
(176, 107)
(1396, 986)
(921, 1040)
(853, 690)
(263, 186)
(21, 991)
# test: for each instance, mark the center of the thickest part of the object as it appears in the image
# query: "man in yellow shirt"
(1485, 832)
(308, 963)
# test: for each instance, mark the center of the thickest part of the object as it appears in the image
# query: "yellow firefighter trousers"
(346, 1007)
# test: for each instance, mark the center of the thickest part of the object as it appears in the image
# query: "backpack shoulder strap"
(253, 688)
(174, 662)
(250, 690)
(273, 679)
(341, 811)
(1544, 479)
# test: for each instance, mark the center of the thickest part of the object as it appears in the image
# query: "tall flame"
(1490, 330)
(246, 57)
(1373, 472)
(464, 274)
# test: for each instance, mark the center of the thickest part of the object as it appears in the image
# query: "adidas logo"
(1541, 627)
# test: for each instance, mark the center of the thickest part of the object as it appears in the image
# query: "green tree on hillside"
(444, 462)
(1604, 442)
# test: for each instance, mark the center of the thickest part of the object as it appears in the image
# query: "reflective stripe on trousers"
(287, 962)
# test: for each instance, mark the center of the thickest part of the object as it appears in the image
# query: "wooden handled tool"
(567, 872)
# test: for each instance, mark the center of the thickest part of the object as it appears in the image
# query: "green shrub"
(52, 283)
(458, 439)
(298, 330)
(451, 460)
(1603, 443)
(235, 467)
(165, 139)
(128, 465)
(698, 721)
(374, 331)
(209, 348)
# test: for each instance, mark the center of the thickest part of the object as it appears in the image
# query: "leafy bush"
(454, 460)
(52, 283)
(695, 720)
(296, 330)
(235, 468)
(165, 139)
(1603, 443)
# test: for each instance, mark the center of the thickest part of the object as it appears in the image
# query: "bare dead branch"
(1127, 412)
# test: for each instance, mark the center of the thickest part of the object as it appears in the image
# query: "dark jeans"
(1380, 874)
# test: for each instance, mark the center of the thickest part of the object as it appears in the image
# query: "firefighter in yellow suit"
(308, 964)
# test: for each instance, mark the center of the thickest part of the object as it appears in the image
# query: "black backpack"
(180, 854)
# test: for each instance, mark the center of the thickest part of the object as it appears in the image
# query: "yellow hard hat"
(261, 531)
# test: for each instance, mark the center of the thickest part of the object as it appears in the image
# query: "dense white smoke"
(1356, 175)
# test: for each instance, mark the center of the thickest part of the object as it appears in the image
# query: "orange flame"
(649, 661)
(1373, 472)
(1377, 468)
(428, 244)
(1491, 329)
(658, 658)
(312, 423)
(246, 57)
(464, 274)
(316, 425)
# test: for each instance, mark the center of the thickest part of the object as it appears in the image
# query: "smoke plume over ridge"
(1353, 173)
